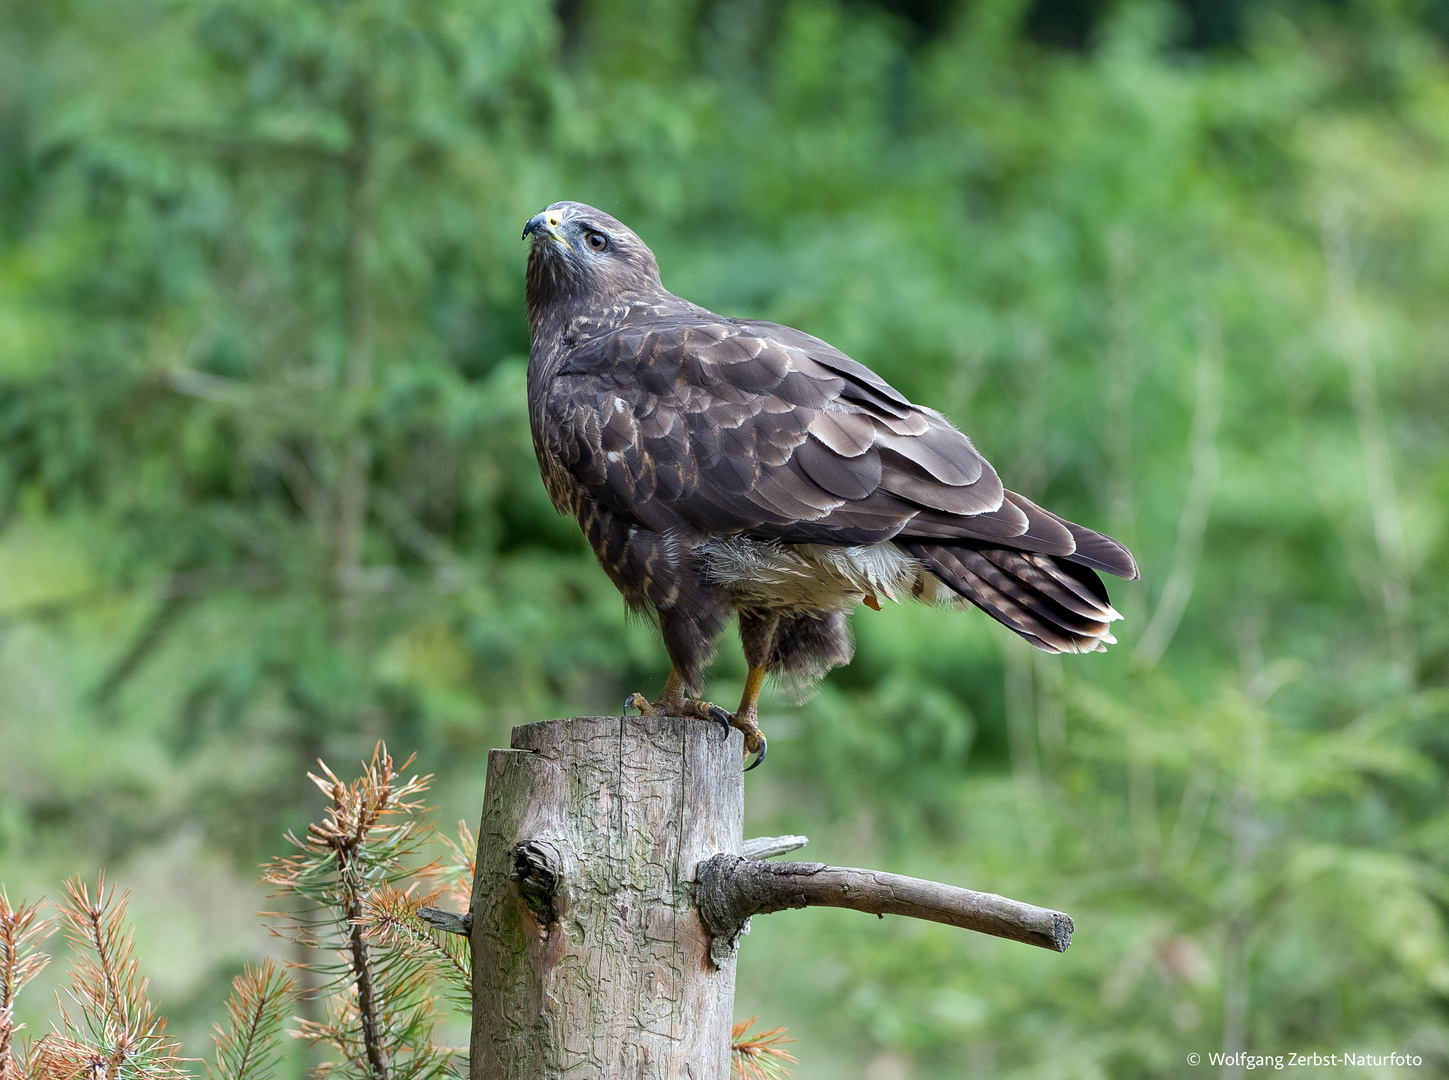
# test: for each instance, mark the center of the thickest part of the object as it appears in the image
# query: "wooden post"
(612, 888)
(589, 956)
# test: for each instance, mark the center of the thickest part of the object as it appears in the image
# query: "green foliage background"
(266, 490)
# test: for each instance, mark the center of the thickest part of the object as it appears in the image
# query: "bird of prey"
(722, 466)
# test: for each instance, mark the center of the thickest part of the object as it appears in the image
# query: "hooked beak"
(545, 225)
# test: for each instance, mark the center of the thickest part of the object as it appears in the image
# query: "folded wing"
(729, 426)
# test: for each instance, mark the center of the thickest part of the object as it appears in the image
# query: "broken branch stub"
(730, 889)
(767, 847)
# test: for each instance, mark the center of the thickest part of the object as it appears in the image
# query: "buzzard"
(722, 466)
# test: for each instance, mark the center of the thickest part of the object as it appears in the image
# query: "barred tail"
(1057, 605)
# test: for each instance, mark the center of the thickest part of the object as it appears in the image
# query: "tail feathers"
(1101, 552)
(1046, 532)
(1058, 607)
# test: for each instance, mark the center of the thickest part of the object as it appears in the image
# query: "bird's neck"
(547, 291)
(557, 300)
(587, 316)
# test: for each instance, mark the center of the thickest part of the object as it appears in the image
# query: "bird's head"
(582, 256)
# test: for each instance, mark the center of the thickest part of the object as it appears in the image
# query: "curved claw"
(764, 749)
(720, 717)
(636, 701)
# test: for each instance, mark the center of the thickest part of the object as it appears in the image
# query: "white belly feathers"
(772, 576)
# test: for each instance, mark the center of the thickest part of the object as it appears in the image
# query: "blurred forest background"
(1181, 269)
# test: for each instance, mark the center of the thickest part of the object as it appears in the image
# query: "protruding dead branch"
(731, 888)
(449, 922)
(767, 847)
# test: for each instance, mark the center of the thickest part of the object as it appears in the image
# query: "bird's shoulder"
(684, 351)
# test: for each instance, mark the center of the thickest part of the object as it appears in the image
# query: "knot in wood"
(730, 888)
(537, 870)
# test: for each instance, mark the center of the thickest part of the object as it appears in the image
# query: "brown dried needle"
(758, 1056)
(118, 1032)
(22, 930)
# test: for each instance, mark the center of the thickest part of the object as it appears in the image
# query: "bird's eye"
(598, 241)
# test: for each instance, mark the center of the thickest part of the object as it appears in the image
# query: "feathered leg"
(758, 634)
(809, 644)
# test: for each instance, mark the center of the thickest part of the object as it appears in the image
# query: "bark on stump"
(589, 956)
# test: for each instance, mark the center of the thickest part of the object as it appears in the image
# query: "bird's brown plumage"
(692, 447)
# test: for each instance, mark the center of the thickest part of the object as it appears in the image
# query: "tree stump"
(612, 887)
(590, 959)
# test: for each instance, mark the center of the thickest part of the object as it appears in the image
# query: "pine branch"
(106, 975)
(118, 1032)
(246, 1049)
(758, 1056)
(22, 931)
(408, 1018)
(367, 1004)
(393, 919)
(382, 1017)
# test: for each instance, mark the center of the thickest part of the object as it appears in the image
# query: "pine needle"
(22, 931)
(758, 1056)
(118, 1032)
(247, 1048)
